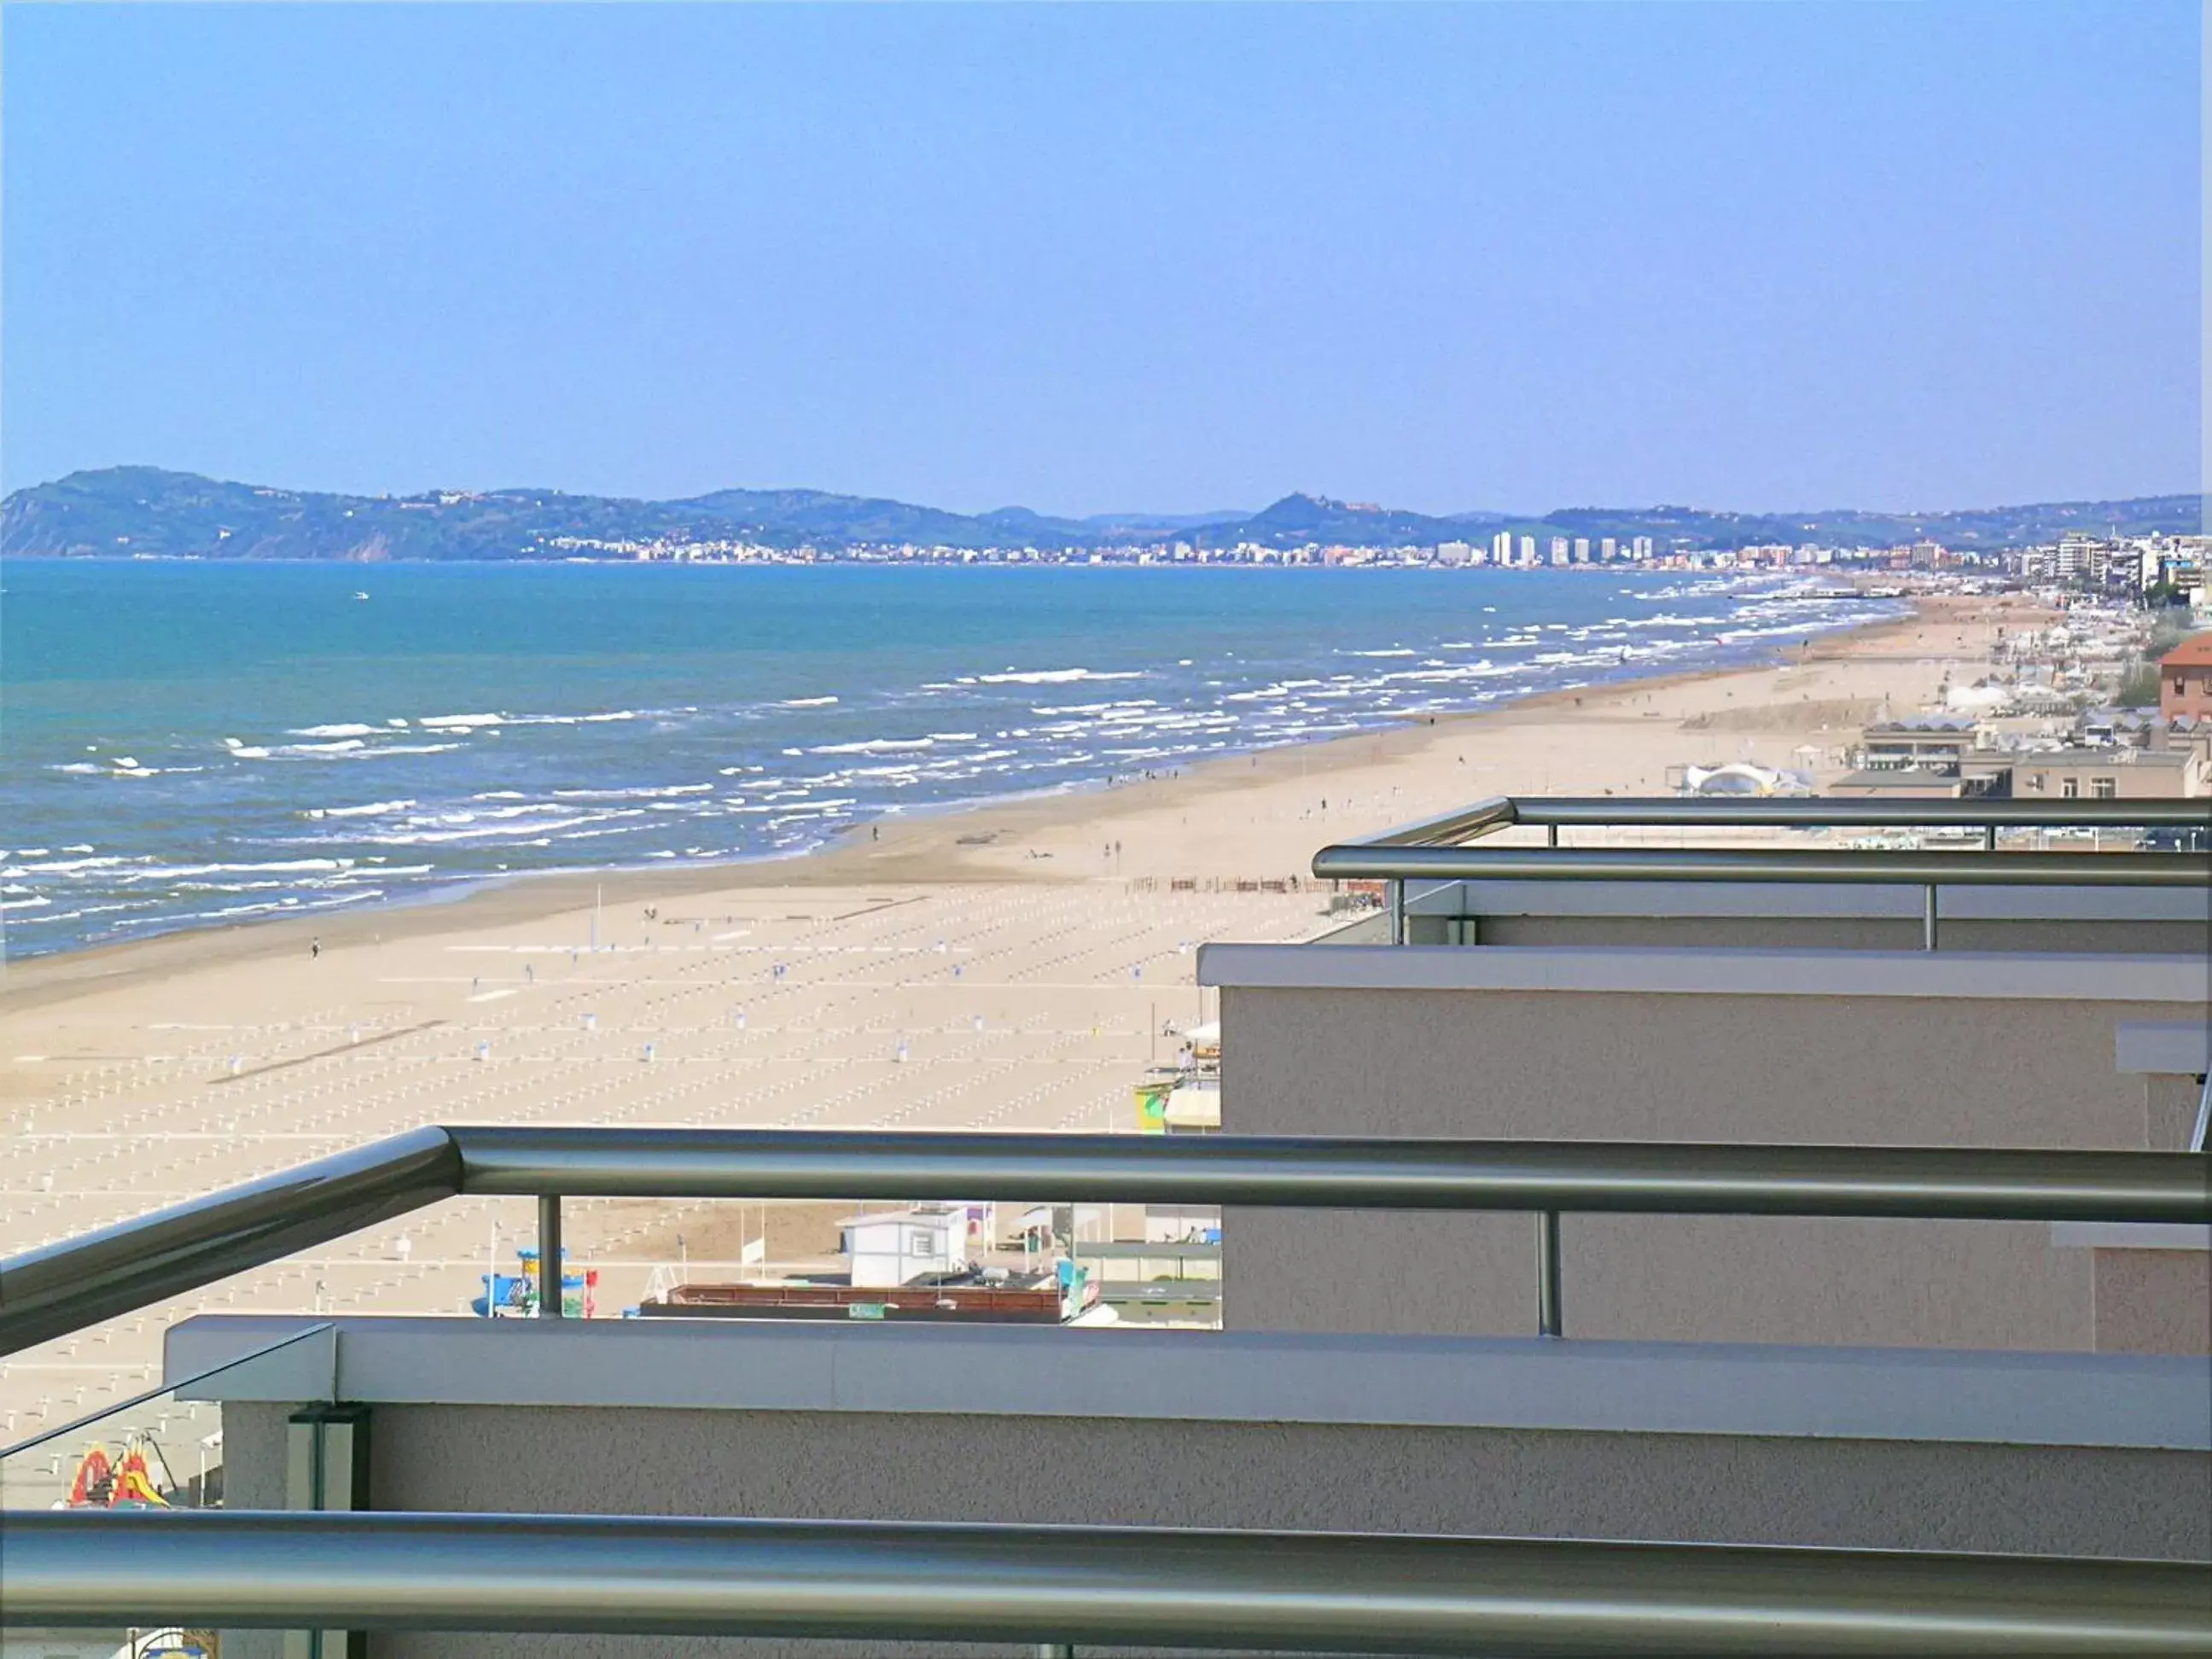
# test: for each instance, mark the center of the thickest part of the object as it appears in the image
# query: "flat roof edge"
(1668, 970)
(1531, 1384)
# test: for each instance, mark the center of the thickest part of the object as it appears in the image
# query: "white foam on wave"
(874, 746)
(807, 703)
(1056, 676)
(424, 835)
(343, 729)
(231, 913)
(1093, 707)
(461, 722)
(60, 867)
(643, 792)
(268, 867)
(370, 809)
(522, 809)
(342, 747)
(609, 716)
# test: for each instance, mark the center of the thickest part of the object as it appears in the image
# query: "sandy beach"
(1014, 966)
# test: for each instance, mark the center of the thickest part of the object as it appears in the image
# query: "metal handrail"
(1285, 1592)
(1871, 868)
(1798, 812)
(1438, 849)
(1304, 1172)
(66, 1286)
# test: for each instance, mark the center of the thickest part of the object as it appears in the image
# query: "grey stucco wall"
(933, 1466)
(1889, 1070)
(2170, 1106)
(946, 1466)
(2153, 1301)
(253, 1438)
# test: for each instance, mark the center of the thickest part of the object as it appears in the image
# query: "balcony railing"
(1061, 1586)
(64, 1287)
(1443, 849)
(1057, 1586)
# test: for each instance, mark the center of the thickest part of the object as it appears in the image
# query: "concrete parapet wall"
(1851, 1048)
(2055, 1454)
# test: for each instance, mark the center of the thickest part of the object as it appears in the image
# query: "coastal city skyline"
(149, 512)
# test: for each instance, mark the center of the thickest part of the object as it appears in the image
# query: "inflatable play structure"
(123, 1480)
(515, 1295)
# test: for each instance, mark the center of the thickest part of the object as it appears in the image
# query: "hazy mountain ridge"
(149, 510)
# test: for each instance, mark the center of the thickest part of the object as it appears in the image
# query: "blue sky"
(1084, 259)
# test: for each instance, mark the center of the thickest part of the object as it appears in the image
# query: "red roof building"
(2184, 678)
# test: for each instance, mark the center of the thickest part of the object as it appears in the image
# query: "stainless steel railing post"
(1397, 892)
(548, 1255)
(1928, 920)
(1549, 1316)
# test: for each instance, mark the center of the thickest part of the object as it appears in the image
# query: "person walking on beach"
(314, 947)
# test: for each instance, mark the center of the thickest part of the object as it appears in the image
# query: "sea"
(189, 743)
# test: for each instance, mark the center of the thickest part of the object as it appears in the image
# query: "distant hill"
(1295, 520)
(147, 510)
(141, 509)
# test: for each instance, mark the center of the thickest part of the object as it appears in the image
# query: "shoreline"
(242, 827)
(906, 849)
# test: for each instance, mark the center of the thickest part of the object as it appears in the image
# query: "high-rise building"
(1527, 550)
(1453, 552)
(1608, 548)
(1643, 547)
(1582, 550)
(1559, 550)
(1501, 547)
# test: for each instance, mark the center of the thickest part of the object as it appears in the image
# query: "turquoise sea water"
(193, 743)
